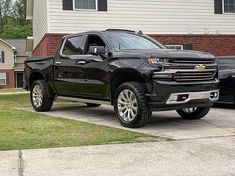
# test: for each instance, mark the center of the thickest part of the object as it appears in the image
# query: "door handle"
(58, 62)
(81, 62)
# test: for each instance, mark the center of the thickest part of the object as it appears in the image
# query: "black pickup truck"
(129, 70)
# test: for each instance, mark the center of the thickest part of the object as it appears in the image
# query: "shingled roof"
(19, 44)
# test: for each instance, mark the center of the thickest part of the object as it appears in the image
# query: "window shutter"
(188, 47)
(218, 6)
(102, 5)
(7, 78)
(3, 57)
(67, 4)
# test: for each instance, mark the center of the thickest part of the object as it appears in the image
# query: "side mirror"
(97, 50)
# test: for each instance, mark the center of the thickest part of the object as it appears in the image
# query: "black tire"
(199, 113)
(47, 97)
(92, 105)
(143, 114)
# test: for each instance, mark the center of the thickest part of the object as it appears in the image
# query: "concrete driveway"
(197, 157)
(219, 122)
(200, 148)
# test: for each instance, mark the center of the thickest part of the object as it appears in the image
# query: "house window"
(178, 47)
(3, 78)
(2, 57)
(229, 6)
(85, 4)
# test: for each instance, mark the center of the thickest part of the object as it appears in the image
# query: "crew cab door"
(77, 73)
(97, 69)
(69, 76)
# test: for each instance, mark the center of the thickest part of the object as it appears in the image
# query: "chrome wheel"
(37, 96)
(127, 105)
(189, 110)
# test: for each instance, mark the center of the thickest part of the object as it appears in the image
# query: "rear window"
(73, 46)
(225, 64)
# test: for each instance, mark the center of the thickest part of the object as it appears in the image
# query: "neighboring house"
(12, 56)
(205, 25)
(7, 54)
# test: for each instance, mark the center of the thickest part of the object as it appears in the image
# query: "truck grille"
(188, 70)
(189, 66)
(192, 61)
(194, 76)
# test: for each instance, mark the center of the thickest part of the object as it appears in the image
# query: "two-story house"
(7, 54)
(12, 56)
(205, 25)
(20, 56)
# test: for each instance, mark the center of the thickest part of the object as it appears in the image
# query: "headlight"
(151, 60)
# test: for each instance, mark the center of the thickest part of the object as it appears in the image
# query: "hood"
(167, 53)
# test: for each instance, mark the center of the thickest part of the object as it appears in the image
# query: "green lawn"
(11, 90)
(28, 130)
(14, 101)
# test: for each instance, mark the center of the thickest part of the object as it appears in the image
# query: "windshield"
(127, 41)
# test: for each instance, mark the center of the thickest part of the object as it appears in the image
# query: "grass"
(14, 101)
(12, 90)
(28, 130)
(23, 100)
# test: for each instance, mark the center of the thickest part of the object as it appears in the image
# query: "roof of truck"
(107, 30)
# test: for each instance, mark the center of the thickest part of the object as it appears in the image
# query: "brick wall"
(219, 45)
(11, 78)
(48, 45)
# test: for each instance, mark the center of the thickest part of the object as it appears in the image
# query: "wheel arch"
(124, 75)
(35, 75)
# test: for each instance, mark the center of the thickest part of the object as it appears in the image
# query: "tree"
(13, 23)
(20, 11)
(1, 18)
(6, 7)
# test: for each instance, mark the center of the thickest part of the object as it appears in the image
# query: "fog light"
(183, 97)
(214, 95)
(174, 98)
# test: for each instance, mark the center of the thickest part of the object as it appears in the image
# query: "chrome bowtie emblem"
(200, 67)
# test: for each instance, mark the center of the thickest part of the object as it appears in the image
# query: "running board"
(83, 100)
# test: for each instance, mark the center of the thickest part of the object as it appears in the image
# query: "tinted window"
(126, 41)
(73, 46)
(224, 64)
(93, 40)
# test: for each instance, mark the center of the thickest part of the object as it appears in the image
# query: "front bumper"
(167, 95)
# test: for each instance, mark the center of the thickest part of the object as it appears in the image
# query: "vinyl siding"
(40, 20)
(150, 16)
(9, 56)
